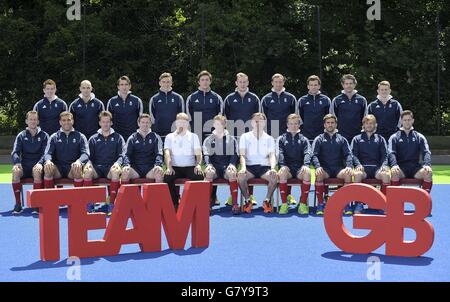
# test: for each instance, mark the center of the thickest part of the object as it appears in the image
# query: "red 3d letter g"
(388, 228)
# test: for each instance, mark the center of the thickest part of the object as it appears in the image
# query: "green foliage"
(142, 39)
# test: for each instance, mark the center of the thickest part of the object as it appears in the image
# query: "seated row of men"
(68, 154)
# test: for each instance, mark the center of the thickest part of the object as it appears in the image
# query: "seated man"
(294, 157)
(27, 154)
(370, 156)
(405, 148)
(144, 156)
(258, 160)
(182, 155)
(106, 157)
(220, 154)
(332, 158)
(66, 153)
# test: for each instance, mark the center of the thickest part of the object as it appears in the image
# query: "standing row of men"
(238, 107)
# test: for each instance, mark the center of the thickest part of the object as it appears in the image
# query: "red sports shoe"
(248, 207)
(267, 206)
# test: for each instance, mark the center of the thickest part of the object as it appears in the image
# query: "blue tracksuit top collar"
(47, 101)
(354, 95)
(205, 93)
(238, 94)
(120, 97)
(390, 101)
(295, 135)
(61, 131)
(366, 137)
(276, 95)
(27, 130)
(334, 135)
(166, 93)
(111, 131)
(403, 132)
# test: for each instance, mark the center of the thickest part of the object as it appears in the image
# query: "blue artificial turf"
(256, 247)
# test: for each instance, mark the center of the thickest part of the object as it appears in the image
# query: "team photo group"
(204, 137)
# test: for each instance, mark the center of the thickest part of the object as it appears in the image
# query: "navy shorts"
(258, 170)
(410, 170)
(294, 170)
(371, 171)
(142, 170)
(27, 171)
(102, 170)
(333, 171)
(64, 170)
(220, 171)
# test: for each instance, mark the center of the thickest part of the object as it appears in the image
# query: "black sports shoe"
(34, 211)
(17, 209)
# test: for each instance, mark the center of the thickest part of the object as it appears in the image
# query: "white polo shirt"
(182, 148)
(257, 150)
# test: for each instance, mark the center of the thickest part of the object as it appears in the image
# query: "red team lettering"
(147, 211)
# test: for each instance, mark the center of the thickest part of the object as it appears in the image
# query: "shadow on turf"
(38, 265)
(348, 257)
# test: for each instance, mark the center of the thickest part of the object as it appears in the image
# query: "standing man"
(220, 154)
(203, 105)
(349, 108)
(164, 106)
(258, 160)
(144, 153)
(294, 158)
(277, 105)
(27, 157)
(312, 108)
(406, 146)
(332, 158)
(106, 157)
(49, 108)
(66, 153)
(125, 108)
(386, 110)
(241, 105)
(86, 109)
(370, 158)
(182, 155)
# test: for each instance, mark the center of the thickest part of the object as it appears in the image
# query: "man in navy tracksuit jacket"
(312, 108)
(125, 108)
(332, 158)
(370, 157)
(387, 111)
(203, 104)
(49, 108)
(85, 110)
(220, 155)
(240, 105)
(406, 146)
(27, 157)
(106, 149)
(164, 106)
(294, 158)
(277, 105)
(349, 107)
(66, 153)
(144, 153)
